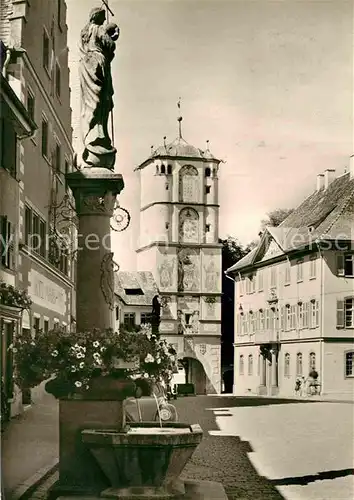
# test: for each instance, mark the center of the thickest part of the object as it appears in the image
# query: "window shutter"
(340, 313)
(340, 265)
(3, 237)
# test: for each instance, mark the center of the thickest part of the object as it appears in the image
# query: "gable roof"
(327, 214)
(135, 281)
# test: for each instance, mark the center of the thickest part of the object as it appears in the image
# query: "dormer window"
(163, 169)
(207, 172)
(169, 169)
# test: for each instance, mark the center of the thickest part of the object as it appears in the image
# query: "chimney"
(329, 176)
(351, 167)
(320, 181)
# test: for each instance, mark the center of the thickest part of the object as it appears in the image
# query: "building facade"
(294, 299)
(134, 292)
(36, 68)
(179, 217)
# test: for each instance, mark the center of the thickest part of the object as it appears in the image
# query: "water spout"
(158, 409)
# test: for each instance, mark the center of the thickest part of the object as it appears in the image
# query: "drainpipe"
(321, 317)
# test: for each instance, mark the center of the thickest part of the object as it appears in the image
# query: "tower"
(179, 218)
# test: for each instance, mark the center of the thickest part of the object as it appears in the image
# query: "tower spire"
(179, 119)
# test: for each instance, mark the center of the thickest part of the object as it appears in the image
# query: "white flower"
(146, 375)
(80, 355)
(102, 349)
(96, 343)
(14, 349)
(11, 346)
(73, 368)
(33, 343)
(158, 361)
(149, 359)
(82, 364)
(96, 355)
(78, 383)
(55, 353)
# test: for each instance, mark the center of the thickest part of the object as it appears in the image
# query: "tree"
(276, 217)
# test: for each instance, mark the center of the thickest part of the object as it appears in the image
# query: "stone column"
(263, 370)
(95, 191)
(274, 367)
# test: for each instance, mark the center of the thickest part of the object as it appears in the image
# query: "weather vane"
(179, 119)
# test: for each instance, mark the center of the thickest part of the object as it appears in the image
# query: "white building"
(179, 219)
(294, 298)
(134, 292)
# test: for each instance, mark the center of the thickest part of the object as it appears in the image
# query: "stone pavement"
(233, 426)
(306, 450)
(29, 444)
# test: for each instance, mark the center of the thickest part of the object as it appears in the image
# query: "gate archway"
(195, 374)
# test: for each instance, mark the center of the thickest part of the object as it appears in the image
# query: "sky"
(268, 82)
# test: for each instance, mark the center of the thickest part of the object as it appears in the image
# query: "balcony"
(268, 336)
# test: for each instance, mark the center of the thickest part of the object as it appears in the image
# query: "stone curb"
(317, 399)
(27, 487)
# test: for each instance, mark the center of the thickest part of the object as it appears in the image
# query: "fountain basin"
(146, 461)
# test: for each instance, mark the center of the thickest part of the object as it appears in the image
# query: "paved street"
(306, 449)
(260, 449)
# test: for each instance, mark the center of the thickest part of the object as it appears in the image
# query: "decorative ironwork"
(120, 219)
(63, 214)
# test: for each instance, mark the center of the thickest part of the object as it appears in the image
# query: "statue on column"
(97, 47)
(156, 315)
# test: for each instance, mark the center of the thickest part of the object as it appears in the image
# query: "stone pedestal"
(95, 191)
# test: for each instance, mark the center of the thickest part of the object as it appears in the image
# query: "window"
(261, 320)
(44, 137)
(145, 318)
(207, 228)
(241, 284)
(163, 169)
(169, 169)
(282, 318)
(30, 104)
(45, 55)
(8, 146)
(287, 276)
(300, 316)
(345, 265)
(46, 326)
(299, 364)
(345, 313)
(312, 361)
(349, 364)
(207, 189)
(292, 317)
(250, 364)
(287, 365)
(287, 318)
(241, 365)
(37, 324)
(313, 267)
(314, 314)
(306, 315)
(42, 236)
(57, 79)
(167, 225)
(129, 320)
(300, 270)
(273, 276)
(260, 280)
(7, 246)
(117, 313)
(57, 159)
(267, 319)
(207, 172)
(133, 291)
